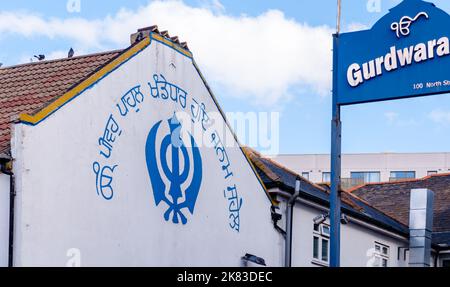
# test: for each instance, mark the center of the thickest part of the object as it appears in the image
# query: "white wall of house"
(357, 241)
(4, 219)
(62, 220)
(385, 163)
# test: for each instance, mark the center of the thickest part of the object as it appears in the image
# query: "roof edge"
(5, 157)
(61, 59)
(397, 182)
(242, 149)
(171, 44)
(359, 215)
(98, 75)
(84, 84)
(286, 169)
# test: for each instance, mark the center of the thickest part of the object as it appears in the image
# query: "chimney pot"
(143, 33)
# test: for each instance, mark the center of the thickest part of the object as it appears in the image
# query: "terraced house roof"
(393, 198)
(30, 87)
(275, 175)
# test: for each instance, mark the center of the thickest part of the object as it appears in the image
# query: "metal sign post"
(336, 129)
(405, 54)
(335, 197)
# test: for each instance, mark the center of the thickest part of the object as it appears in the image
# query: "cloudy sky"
(263, 56)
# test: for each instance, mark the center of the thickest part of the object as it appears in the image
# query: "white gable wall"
(60, 218)
(4, 219)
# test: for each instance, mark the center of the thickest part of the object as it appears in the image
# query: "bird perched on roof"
(40, 57)
(71, 53)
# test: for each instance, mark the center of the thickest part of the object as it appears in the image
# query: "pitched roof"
(275, 175)
(30, 87)
(393, 198)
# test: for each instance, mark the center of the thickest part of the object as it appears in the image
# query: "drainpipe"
(420, 227)
(436, 258)
(289, 221)
(5, 170)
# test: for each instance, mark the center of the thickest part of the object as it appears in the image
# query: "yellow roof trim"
(74, 92)
(171, 44)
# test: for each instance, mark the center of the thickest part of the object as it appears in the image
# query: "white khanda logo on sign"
(402, 28)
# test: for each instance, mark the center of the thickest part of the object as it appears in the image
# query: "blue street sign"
(405, 54)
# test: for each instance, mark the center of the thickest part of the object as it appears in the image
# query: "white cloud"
(261, 58)
(440, 116)
(30, 25)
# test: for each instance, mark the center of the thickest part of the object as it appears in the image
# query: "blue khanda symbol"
(176, 174)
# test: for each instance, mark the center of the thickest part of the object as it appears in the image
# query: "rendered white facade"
(358, 239)
(4, 219)
(67, 213)
(316, 164)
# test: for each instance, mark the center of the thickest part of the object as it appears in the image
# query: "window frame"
(381, 255)
(404, 172)
(432, 172)
(328, 174)
(305, 175)
(366, 175)
(320, 233)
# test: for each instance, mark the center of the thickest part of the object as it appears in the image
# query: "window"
(326, 176)
(366, 177)
(446, 263)
(400, 175)
(321, 244)
(325, 230)
(432, 172)
(381, 255)
(305, 175)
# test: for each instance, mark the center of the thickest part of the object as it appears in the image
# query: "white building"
(115, 163)
(358, 169)
(111, 160)
(371, 235)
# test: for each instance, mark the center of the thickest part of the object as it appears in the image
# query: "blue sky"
(303, 100)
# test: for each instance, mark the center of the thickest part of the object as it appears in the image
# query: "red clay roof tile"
(30, 87)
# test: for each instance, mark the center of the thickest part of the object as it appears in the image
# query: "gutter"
(12, 194)
(4, 157)
(289, 222)
(362, 222)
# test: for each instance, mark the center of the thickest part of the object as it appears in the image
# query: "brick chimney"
(143, 33)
